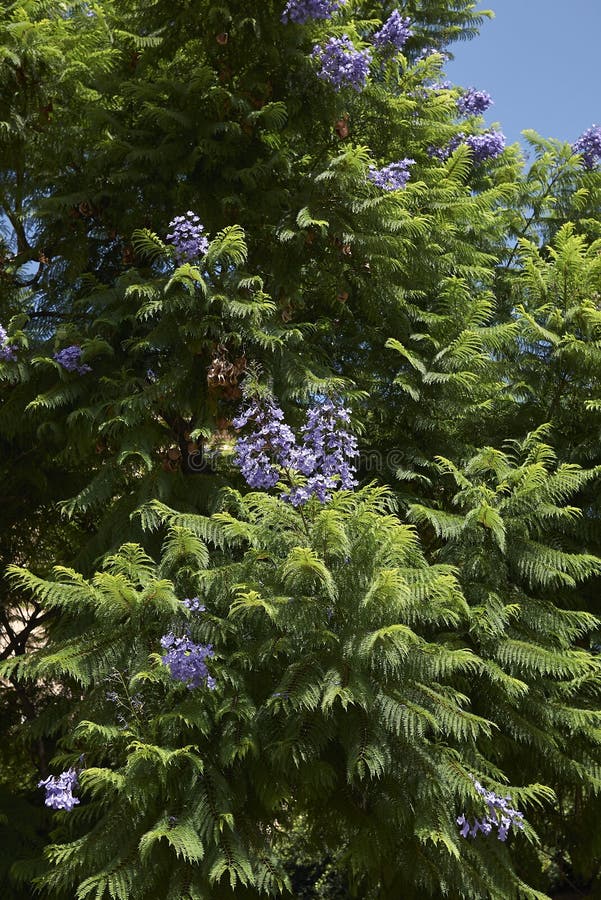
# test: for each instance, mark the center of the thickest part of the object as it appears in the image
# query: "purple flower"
(464, 825)
(70, 359)
(486, 146)
(392, 177)
(59, 790)
(261, 454)
(326, 457)
(443, 153)
(194, 604)
(473, 102)
(500, 815)
(319, 486)
(341, 64)
(302, 11)
(589, 146)
(394, 32)
(187, 237)
(187, 661)
(328, 441)
(7, 353)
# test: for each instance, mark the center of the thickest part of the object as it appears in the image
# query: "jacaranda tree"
(300, 396)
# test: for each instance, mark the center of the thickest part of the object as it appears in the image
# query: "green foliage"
(372, 653)
(340, 698)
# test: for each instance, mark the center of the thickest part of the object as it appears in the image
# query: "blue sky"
(540, 60)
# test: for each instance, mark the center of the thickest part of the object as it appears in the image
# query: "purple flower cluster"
(270, 440)
(340, 64)
(484, 146)
(302, 11)
(194, 604)
(70, 359)
(392, 177)
(500, 815)
(474, 102)
(329, 453)
(7, 353)
(326, 456)
(444, 152)
(59, 790)
(589, 146)
(187, 237)
(393, 33)
(187, 660)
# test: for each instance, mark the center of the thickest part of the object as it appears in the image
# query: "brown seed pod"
(85, 209)
(222, 374)
(128, 256)
(222, 38)
(174, 453)
(345, 249)
(342, 127)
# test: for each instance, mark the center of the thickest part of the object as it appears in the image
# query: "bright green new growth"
(343, 663)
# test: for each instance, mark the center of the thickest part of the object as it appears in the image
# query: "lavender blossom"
(59, 790)
(394, 32)
(187, 237)
(392, 177)
(319, 486)
(341, 65)
(443, 153)
(486, 146)
(194, 604)
(483, 146)
(261, 454)
(589, 146)
(326, 456)
(501, 815)
(70, 359)
(187, 661)
(474, 102)
(328, 441)
(334, 446)
(302, 11)
(7, 353)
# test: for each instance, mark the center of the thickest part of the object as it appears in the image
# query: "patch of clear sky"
(539, 59)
